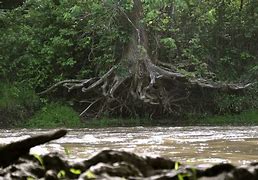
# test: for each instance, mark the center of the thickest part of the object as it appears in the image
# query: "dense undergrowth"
(21, 107)
(54, 115)
(17, 104)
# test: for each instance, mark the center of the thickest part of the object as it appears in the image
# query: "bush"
(54, 115)
(16, 104)
(236, 103)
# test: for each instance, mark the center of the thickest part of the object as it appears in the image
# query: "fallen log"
(12, 152)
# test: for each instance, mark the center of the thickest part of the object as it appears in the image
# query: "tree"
(10, 4)
(137, 84)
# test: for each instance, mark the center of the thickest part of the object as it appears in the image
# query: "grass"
(19, 107)
(57, 115)
(52, 116)
(245, 118)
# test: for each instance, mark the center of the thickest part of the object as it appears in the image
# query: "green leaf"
(177, 164)
(61, 174)
(75, 171)
(39, 158)
(30, 178)
(89, 174)
(67, 152)
(168, 42)
(180, 177)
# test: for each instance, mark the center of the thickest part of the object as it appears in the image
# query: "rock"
(51, 175)
(241, 174)
(24, 168)
(55, 162)
(110, 165)
(216, 170)
(110, 157)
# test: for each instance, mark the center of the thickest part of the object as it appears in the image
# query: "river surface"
(192, 145)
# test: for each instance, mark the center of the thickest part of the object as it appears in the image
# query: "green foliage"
(234, 103)
(47, 41)
(16, 103)
(168, 43)
(75, 171)
(249, 117)
(61, 174)
(204, 38)
(39, 158)
(44, 42)
(177, 164)
(90, 175)
(54, 115)
(11, 95)
(30, 178)
(221, 34)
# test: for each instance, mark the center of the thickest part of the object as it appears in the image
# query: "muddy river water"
(192, 145)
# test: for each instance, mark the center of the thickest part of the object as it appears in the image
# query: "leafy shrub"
(54, 115)
(237, 103)
(16, 104)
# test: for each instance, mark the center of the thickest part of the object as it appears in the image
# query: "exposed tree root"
(150, 88)
(145, 87)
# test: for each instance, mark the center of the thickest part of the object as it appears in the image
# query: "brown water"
(192, 145)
